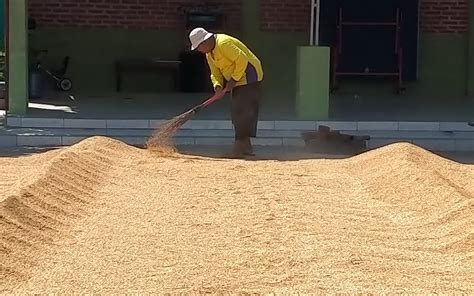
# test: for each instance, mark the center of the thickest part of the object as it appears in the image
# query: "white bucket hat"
(198, 36)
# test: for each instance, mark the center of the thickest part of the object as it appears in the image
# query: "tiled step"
(57, 140)
(433, 140)
(27, 122)
(223, 133)
(440, 136)
(61, 137)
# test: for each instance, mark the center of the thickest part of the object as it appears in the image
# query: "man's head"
(202, 40)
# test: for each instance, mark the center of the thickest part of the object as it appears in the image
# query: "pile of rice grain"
(104, 217)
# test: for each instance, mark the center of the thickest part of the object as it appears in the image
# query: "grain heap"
(104, 217)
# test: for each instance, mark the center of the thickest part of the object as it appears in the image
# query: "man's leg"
(254, 96)
(244, 118)
(248, 97)
(238, 120)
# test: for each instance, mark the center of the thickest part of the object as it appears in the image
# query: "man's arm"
(216, 75)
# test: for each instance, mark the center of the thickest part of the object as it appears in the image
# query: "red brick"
(285, 15)
(438, 16)
(276, 15)
(294, 15)
(151, 14)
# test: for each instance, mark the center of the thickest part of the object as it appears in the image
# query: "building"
(98, 33)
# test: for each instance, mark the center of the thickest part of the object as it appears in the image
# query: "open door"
(370, 34)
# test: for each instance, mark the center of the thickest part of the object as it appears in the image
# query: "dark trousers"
(244, 110)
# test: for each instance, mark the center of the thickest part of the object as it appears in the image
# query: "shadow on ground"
(298, 153)
(261, 153)
(22, 151)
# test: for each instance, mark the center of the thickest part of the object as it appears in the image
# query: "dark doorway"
(371, 48)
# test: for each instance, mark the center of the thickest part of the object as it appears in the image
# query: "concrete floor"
(402, 108)
(145, 106)
(274, 107)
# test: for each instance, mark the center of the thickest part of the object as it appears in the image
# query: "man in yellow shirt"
(234, 68)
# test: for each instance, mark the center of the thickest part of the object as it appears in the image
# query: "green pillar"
(2, 23)
(251, 21)
(312, 84)
(470, 76)
(18, 57)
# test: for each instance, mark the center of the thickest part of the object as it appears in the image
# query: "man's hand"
(230, 85)
(218, 89)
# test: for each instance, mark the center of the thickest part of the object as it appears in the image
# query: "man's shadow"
(266, 153)
(262, 153)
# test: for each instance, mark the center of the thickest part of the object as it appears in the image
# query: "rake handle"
(215, 97)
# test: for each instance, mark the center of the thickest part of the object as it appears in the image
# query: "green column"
(312, 85)
(251, 21)
(2, 23)
(470, 76)
(18, 57)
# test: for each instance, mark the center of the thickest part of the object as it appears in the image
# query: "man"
(235, 69)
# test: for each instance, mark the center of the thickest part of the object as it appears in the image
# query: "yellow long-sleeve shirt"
(231, 59)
